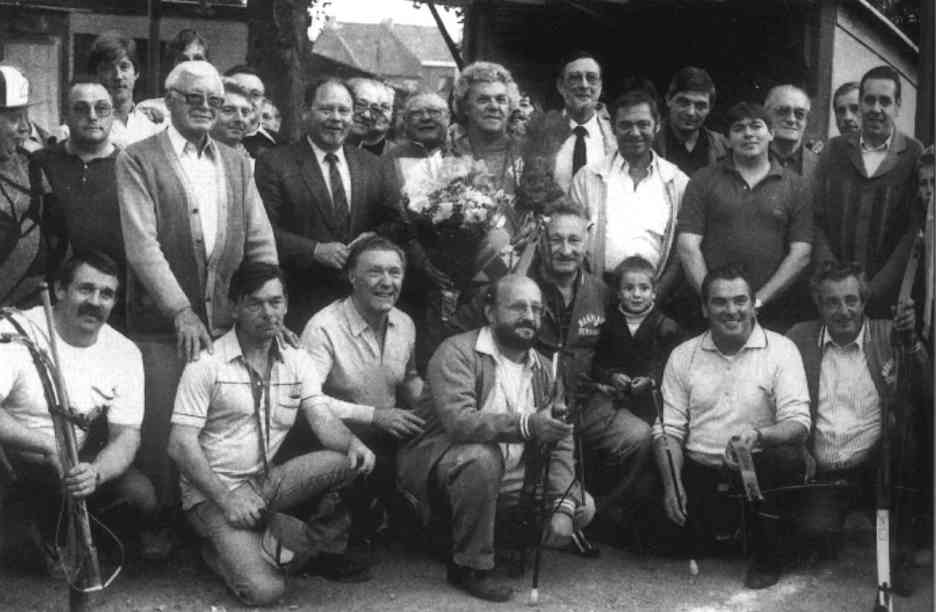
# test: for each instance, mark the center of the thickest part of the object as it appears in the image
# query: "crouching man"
(103, 374)
(850, 368)
(487, 407)
(232, 410)
(735, 386)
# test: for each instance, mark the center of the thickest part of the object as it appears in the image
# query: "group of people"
(242, 314)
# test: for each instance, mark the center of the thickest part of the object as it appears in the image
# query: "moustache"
(90, 310)
(525, 325)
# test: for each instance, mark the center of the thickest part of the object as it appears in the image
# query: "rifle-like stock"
(88, 579)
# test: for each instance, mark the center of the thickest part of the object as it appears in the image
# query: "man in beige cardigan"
(190, 215)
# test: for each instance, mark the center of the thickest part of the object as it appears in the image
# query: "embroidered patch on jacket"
(590, 324)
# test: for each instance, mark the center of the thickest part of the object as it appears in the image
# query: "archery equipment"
(658, 404)
(88, 577)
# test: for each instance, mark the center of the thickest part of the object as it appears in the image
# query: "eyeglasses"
(784, 111)
(376, 109)
(101, 109)
(197, 99)
(432, 113)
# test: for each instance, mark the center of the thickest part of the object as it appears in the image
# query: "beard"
(508, 336)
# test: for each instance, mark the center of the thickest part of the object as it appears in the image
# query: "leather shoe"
(477, 583)
(762, 574)
(337, 568)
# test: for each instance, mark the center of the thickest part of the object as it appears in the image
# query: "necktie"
(578, 151)
(339, 198)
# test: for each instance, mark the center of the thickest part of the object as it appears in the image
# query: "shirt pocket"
(288, 398)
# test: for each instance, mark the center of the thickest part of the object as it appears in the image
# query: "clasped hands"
(631, 386)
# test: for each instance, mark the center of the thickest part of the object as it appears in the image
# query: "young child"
(635, 342)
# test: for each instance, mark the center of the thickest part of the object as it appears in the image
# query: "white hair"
(774, 93)
(197, 69)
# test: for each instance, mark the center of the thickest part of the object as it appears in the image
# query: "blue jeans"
(235, 554)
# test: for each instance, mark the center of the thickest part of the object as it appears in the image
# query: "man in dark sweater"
(81, 211)
(866, 190)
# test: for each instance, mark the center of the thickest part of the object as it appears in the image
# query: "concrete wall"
(859, 45)
(227, 39)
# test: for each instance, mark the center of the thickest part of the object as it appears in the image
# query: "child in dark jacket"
(632, 349)
(636, 340)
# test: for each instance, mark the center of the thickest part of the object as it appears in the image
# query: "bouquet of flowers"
(460, 206)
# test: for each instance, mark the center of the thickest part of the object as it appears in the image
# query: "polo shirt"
(688, 161)
(83, 209)
(353, 377)
(848, 411)
(236, 412)
(749, 225)
(106, 376)
(709, 397)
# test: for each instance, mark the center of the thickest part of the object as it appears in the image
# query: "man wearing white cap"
(22, 247)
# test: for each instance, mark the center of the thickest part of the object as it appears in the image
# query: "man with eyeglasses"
(789, 107)
(257, 139)
(233, 118)
(581, 132)
(373, 112)
(866, 208)
(748, 208)
(684, 139)
(321, 195)
(81, 210)
(190, 215)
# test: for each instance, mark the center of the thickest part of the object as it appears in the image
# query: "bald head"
(788, 107)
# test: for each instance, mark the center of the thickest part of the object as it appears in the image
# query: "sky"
(401, 11)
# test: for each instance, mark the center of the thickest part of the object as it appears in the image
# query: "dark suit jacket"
(299, 205)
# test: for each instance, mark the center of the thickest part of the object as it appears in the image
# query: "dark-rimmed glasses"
(197, 99)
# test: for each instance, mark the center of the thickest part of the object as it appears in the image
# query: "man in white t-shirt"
(103, 374)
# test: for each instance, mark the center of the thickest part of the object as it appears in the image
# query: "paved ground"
(410, 582)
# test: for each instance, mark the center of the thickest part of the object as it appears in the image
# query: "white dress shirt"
(343, 171)
(637, 216)
(204, 181)
(873, 156)
(848, 415)
(594, 150)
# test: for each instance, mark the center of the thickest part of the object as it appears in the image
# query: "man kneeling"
(233, 408)
(103, 374)
(487, 408)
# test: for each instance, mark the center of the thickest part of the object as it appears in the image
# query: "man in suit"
(865, 195)
(581, 132)
(190, 214)
(321, 196)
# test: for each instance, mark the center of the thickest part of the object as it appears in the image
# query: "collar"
(486, 345)
(179, 143)
(320, 153)
(727, 165)
(356, 322)
(868, 148)
(757, 340)
(825, 339)
(66, 148)
(636, 318)
(796, 155)
(591, 126)
(666, 170)
(228, 347)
